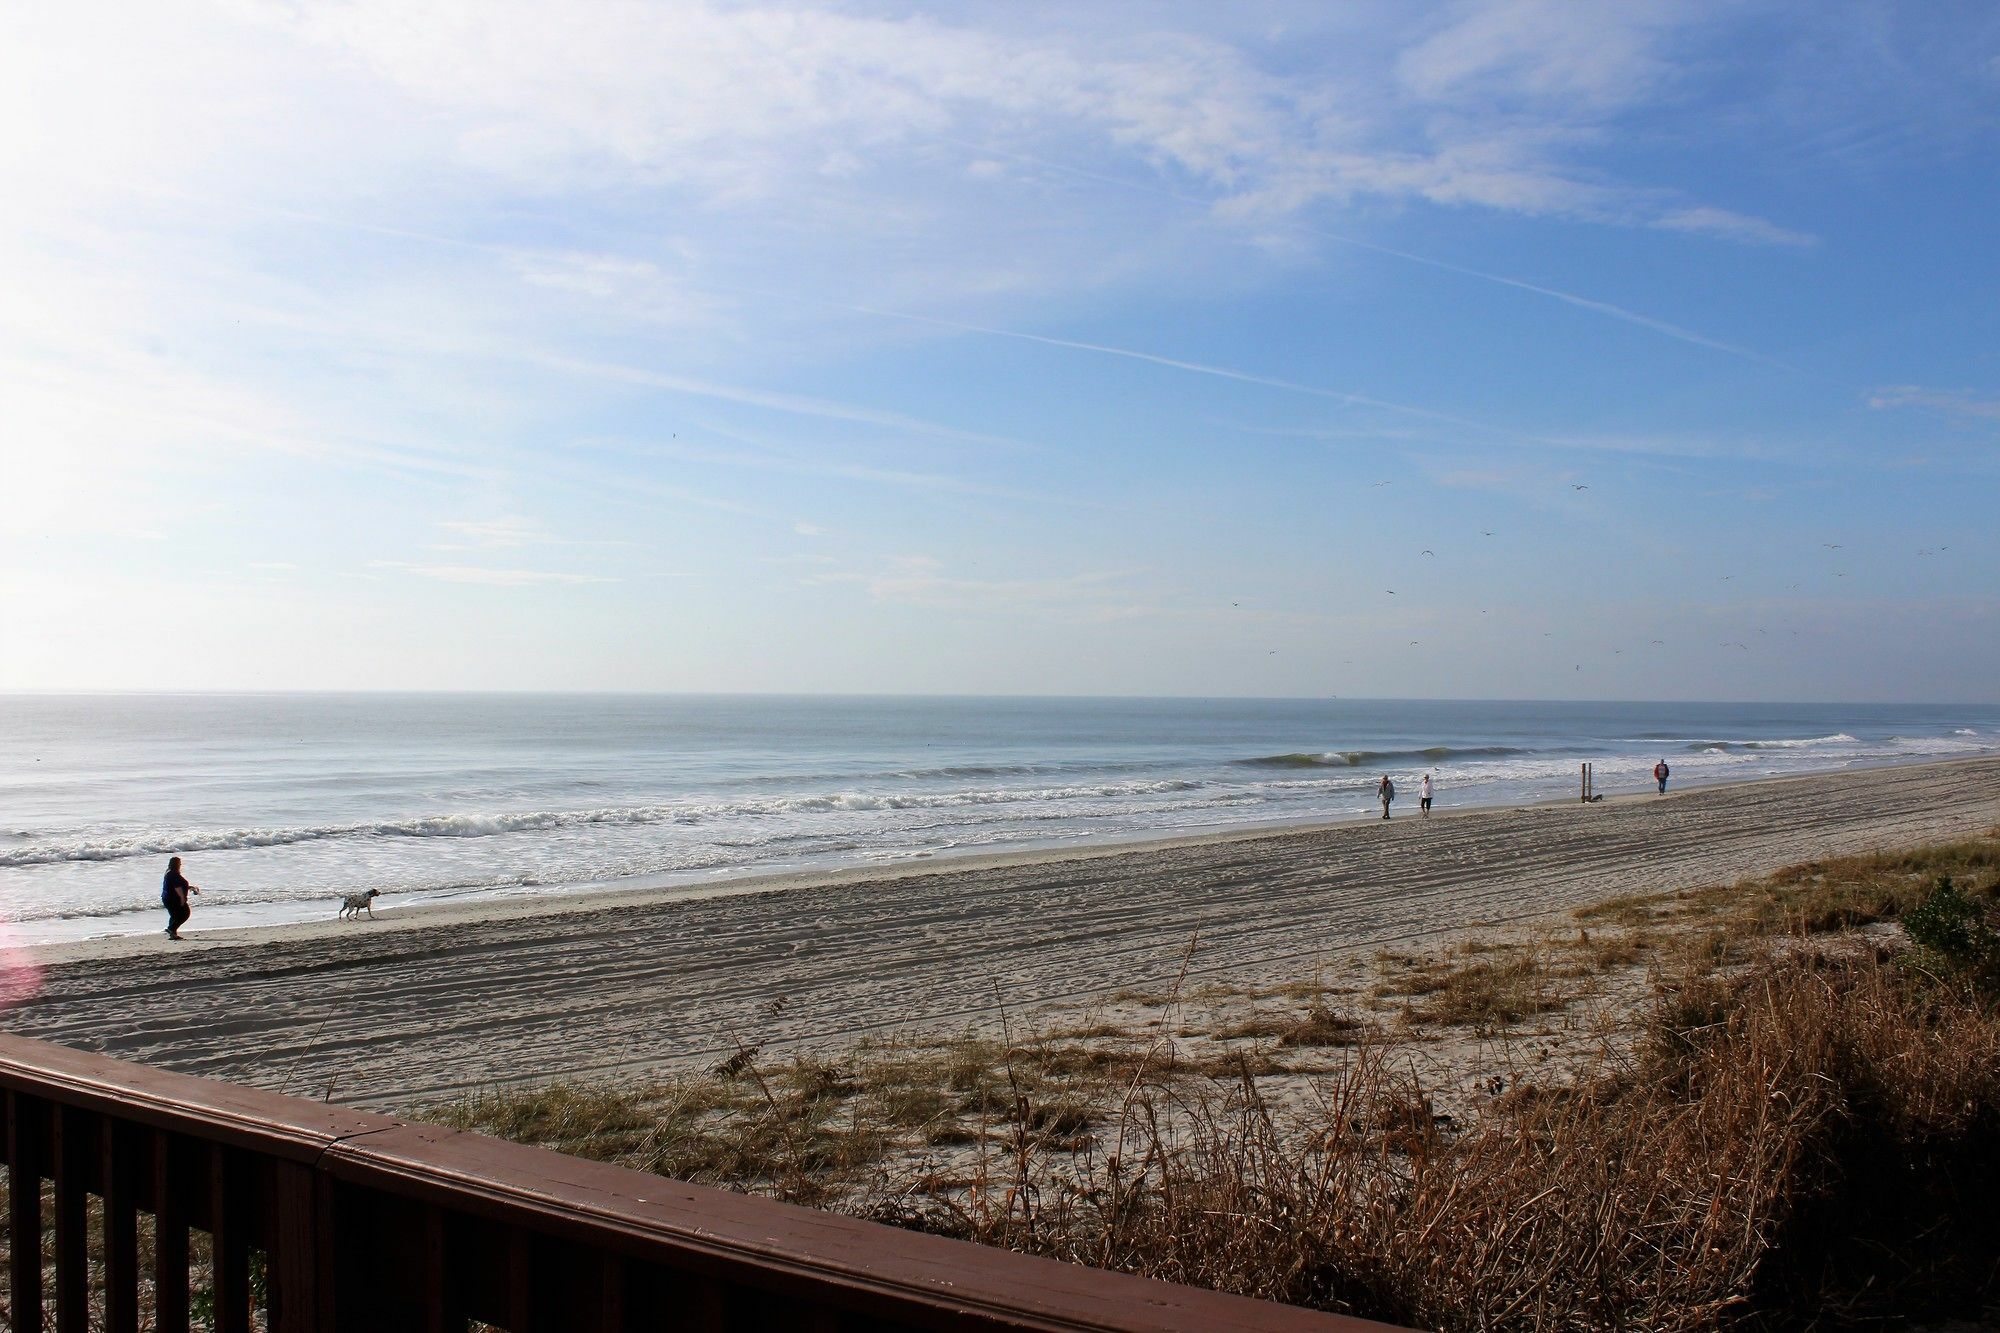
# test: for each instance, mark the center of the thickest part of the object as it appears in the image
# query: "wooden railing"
(313, 1217)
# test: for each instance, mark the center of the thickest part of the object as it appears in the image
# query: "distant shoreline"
(399, 1012)
(505, 904)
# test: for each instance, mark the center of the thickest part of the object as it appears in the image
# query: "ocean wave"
(158, 843)
(1436, 754)
(1793, 743)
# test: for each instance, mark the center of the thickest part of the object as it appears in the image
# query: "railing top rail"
(862, 1266)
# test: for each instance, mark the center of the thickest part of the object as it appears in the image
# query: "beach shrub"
(1953, 936)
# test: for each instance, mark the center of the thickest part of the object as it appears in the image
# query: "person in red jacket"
(1660, 772)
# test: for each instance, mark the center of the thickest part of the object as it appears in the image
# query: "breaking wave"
(1800, 743)
(159, 843)
(1356, 758)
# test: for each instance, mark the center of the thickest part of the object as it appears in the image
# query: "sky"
(1499, 349)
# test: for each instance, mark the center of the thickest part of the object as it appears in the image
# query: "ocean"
(280, 803)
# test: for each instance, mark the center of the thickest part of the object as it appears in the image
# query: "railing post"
(230, 1246)
(298, 1295)
(121, 1231)
(170, 1239)
(24, 1212)
(72, 1221)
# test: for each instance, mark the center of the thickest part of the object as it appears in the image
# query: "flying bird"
(1430, 552)
(1392, 592)
(1573, 486)
(1831, 546)
(1489, 534)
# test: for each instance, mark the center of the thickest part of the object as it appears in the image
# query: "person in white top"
(1424, 800)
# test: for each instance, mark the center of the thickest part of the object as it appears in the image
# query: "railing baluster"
(292, 1257)
(71, 1135)
(520, 1280)
(611, 1294)
(170, 1240)
(432, 1275)
(230, 1269)
(121, 1232)
(24, 1213)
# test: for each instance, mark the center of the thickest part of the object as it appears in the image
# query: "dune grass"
(1783, 1122)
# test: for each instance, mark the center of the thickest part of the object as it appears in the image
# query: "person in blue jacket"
(174, 891)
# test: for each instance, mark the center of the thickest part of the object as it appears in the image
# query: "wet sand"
(423, 1005)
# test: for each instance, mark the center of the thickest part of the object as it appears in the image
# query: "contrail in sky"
(1597, 307)
(1197, 367)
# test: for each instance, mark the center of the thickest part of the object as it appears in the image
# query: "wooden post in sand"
(1586, 784)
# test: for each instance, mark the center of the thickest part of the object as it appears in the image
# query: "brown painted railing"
(319, 1218)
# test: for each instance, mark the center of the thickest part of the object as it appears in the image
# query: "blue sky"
(1643, 351)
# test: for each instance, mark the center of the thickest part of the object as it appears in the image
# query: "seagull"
(1392, 592)
(1831, 546)
(1489, 534)
(1430, 552)
(1744, 646)
(1381, 483)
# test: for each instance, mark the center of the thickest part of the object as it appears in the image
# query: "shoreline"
(412, 1012)
(510, 904)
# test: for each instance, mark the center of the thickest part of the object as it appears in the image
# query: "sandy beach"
(422, 1005)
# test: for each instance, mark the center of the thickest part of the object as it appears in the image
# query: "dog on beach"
(354, 904)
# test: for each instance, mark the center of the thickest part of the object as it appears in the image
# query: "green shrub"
(1953, 936)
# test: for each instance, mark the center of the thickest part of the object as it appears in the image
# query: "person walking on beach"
(1660, 773)
(1424, 797)
(174, 891)
(1385, 792)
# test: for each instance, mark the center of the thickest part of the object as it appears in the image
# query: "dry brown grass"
(1786, 1128)
(1712, 1181)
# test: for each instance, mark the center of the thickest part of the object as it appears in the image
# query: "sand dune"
(420, 1007)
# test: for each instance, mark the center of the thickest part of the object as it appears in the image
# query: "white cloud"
(1517, 51)
(921, 580)
(811, 530)
(738, 104)
(490, 577)
(506, 530)
(1956, 402)
(1731, 226)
